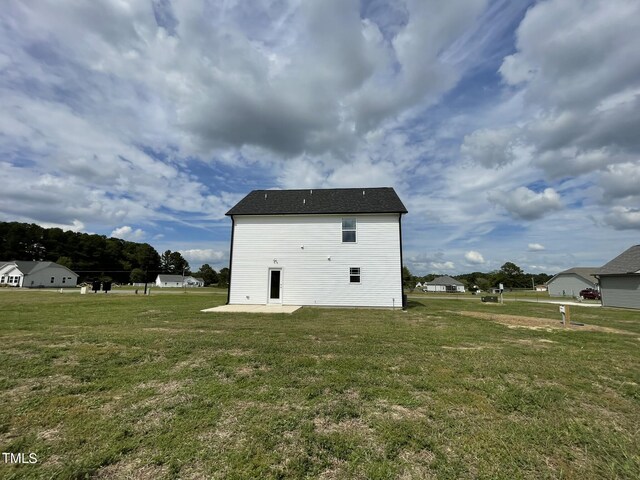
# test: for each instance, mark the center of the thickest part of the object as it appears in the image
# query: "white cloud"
(536, 247)
(474, 258)
(128, 233)
(623, 218)
(202, 255)
(490, 148)
(526, 204)
(443, 266)
(621, 181)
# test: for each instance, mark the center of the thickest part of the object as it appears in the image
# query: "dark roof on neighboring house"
(587, 273)
(324, 201)
(445, 280)
(29, 267)
(165, 277)
(627, 262)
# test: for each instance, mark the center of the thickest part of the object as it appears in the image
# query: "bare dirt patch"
(465, 347)
(133, 469)
(396, 412)
(417, 464)
(353, 426)
(537, 323)
(34, 385)
(51, 435)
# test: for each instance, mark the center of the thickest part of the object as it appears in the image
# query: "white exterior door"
(274, 288)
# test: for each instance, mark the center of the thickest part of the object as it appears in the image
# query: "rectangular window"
(10, 280)
(64, 279)
(2, 280)
(52, 279)
(354, 275)
(348, 230)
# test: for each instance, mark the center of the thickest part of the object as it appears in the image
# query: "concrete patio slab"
(254, 308)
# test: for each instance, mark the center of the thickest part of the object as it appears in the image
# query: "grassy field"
(125, 386)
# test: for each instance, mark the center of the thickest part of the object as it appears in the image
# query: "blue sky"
(508, 128)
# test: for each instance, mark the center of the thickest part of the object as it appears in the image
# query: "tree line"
(97, 257)
(510, 275)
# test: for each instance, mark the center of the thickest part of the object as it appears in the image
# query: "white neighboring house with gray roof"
(570, 282)
(29, 274)
(620, 280)
(445, 284)
(165, 280)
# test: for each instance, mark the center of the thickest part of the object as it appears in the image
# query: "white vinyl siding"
(315, 262)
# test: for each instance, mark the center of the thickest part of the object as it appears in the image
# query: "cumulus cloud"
(199, 256)
(429, 263)
(128, 233)
(621, 181)
(623, 218)
(526, 204)
(288, 76)
(474, 258)
(536, 247)
(490, 148)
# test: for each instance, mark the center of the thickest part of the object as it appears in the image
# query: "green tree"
(223, 277)
(137, 275)
(65, 262)
(511, 275)
(173, 262)
(408, 280)
(208, 274)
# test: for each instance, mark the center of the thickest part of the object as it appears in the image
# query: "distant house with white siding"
(165, 280)
(329, 247)
(30, 274)
(620, 280)
(570, 282)
(444, 284)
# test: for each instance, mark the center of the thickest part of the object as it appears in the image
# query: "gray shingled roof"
(324, 201)
(627, 262)
(165, 277)
(28, 267)
(445, 280)
(588, 273)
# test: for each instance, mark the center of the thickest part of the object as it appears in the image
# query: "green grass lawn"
(125, 386)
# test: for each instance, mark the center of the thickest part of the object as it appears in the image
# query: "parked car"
(590, 294)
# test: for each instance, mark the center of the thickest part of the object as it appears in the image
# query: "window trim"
(353, 274)
(354, 229)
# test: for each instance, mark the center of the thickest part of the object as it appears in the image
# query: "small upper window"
(354, 275)
(348, 230)
(52, 279)
(63, 279)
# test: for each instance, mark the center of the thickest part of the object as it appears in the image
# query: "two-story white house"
(329, 247)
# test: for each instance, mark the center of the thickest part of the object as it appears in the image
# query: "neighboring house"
(330, 247)
(541, 288)
(165, 280)
(620, 280)
(36, 275)
(570, 282)
(193, 281)
(418, 285)
(444, 284)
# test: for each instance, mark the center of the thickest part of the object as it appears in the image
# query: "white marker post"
(564, 315)
(501, 287)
